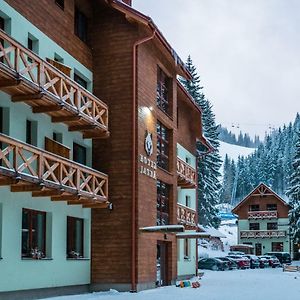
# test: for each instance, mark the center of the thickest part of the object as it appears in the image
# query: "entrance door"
(161, 264)
(258, 249)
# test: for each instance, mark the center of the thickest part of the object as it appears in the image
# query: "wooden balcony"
(186, 216)
(31, 80)
(266, 214)
(29, 169)
(259, 234)
(186, 175)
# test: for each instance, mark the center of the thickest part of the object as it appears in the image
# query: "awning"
(163, 228)
(192, 235)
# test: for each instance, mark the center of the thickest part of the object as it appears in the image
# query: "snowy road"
(229, 285)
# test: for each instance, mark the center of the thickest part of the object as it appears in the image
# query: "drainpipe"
(134, 159)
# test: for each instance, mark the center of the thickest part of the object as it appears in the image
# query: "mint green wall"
(21, 27)
(19, 113)
(266, 242)
(186, 266)
(18, 274)
(183, 153)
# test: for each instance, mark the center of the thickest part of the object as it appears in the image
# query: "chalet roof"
(147, 21)
(261, 189)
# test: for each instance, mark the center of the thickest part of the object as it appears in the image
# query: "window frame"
(163, 84)
(163, 203)
(79, 146)
(30, 253)
(254, 205)
(162, 145)
(72, 236)
(271, 207)
(270, 226)
(60, 4)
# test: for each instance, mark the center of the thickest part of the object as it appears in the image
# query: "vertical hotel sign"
(147, 166)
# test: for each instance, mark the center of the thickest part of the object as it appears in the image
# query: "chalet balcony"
(26, 168)
(259, 234)
(266, 214)
(186, 175)
(186, 216)
(31, 80)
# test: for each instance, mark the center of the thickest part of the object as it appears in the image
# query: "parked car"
(254, 261)
(263, 262)
(232, 265)
(214, 264)
(273, 261)
(243, 262)
(283, 257)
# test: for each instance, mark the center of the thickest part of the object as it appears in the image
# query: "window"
(277, 246)
(31, 132)
(188, 160)
(1, 120)
(80, 25)
(162, 146)
(74, 237)
(33, 233)
(60, 3)
(58, 58)
(254, 207)
(163, 192)
(186, 249)
(272, 226)
(188, 201)
(2, 24)
(33, 45)
(80, 81)
(271, 206)
(57, 137)
(163, 92)
(79, 154)
(254, 226)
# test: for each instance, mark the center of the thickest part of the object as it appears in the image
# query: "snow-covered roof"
(211, 231)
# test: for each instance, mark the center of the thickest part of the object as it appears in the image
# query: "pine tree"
(208, 165)
(294, 194)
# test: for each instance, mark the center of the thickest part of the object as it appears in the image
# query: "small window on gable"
(254, 207)
(60, 3)
(81, 25)
(271, 207)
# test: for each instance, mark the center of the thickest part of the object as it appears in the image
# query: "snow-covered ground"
(258, 284)
(234, 151)
(229, 229)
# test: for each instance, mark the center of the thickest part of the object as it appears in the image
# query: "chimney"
(128, 2)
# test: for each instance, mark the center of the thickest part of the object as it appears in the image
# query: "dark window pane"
(162, 146)
(162, 205)
(254, 207)
(162, 91)
(79, 154)
(271, 206)
(254, 226)
(74, 237)
(272, 226)
(60, 3)
(80, 25)
(80, 81)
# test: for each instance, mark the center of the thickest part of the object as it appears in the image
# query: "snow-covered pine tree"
(208, 165)
(294, 193)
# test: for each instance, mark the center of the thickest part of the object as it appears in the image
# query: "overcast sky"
(247, 53)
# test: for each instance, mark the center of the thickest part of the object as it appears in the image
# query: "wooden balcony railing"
(28, 168)
(186, 216)
(247, 234)
(266, 214)
(186, 175)
(29, 79)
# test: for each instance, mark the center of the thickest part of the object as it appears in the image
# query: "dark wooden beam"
(96, 205)
(46, 193)
(27, 97)
(65, 119)
(96, 135)
(5, 83)
(45, 109)
(26, 187)
(8, 181)
(82, 127)
(66, 198)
